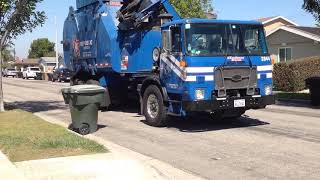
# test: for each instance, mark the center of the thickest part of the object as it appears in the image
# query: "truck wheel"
(153, 107)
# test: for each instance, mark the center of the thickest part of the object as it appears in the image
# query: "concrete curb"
(164, 170)
(9, 170)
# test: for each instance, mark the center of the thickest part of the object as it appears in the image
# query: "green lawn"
(299, 96)
(24, 136)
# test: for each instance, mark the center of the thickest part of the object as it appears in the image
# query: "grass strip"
(24, 136)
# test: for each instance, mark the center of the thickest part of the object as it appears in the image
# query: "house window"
(285, 54)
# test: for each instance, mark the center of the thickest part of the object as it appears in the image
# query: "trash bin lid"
(83, 89)
(66, 90)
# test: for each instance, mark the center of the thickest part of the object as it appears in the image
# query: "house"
(272, 23)
(24, 63)
(287, 40)
(47, 63)
(211, 15)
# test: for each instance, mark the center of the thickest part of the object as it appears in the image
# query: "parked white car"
(10, 72)
(30, 72)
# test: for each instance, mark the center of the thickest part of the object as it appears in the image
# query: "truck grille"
(235, 78)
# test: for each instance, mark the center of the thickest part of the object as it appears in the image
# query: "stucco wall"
(275, 24)
(301, 46)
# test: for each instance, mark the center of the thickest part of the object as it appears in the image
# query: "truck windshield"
(225, 39)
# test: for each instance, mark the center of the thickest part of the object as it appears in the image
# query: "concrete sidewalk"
(7, 170)
(98, 166)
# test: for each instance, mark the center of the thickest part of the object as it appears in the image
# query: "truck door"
(171, 71)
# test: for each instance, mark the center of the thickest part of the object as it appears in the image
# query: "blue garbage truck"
(174, 66)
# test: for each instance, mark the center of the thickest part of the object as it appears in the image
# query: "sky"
(226, 9)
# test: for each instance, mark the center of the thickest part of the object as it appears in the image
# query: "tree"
(313, 7)
(16, 17)
(7, 55)
(207, 6)
(192, 8)
(42, 48)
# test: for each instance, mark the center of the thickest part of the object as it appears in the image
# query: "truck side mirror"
(167, 40)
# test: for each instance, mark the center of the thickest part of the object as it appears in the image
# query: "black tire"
(160, 120)
(59, 80)
(53, 80)
(84, 129)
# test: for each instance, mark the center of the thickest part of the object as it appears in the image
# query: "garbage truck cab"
(221, 67)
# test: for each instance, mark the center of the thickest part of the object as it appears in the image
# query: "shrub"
(291, 76)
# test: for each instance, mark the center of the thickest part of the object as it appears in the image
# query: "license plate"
(240, 103)
(68, 78)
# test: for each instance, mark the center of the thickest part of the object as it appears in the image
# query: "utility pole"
(57, 54)
(1, 90)
(14, 52)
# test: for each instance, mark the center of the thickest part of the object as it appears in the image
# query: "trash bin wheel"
(84, 129)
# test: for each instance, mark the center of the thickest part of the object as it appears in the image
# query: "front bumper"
(228, 103)
(32, 75)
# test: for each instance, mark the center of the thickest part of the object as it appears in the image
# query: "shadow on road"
(203, 123)
(36, 106)
(129, 107)
(196, 123)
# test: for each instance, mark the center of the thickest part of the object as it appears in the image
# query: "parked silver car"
(10, 72)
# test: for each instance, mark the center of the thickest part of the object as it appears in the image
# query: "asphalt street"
(280, 142)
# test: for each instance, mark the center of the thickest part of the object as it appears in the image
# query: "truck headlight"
(199, 94)
(268, 90)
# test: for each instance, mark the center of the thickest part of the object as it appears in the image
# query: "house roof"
(266, 20)
(26, 62)
(311, 30)
(30, 61)
(307, 32)
(48, 59)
